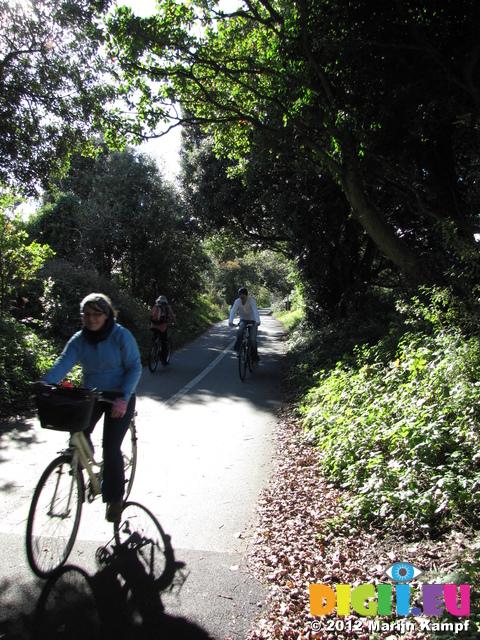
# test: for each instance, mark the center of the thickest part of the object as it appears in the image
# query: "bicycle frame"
(246, 343)
(86, 459)
(246, 337)
(155, 352)
(51, 512)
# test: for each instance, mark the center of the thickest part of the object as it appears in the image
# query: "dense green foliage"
(396, 416)
(381, 101)
(54, 85)
(24, 357)
(116, 215)
(19, 260)
(287, 206)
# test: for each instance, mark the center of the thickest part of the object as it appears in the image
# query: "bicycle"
(56, 507)
(155, 354)
(244, 354)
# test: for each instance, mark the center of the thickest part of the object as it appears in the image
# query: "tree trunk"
(416, 268)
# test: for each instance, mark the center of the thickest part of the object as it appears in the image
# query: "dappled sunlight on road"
(207, 370)
(207, 450)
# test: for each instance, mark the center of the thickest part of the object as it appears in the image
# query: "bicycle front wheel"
(54, 516)
(129, 452)
(242, 362)
(153, 357)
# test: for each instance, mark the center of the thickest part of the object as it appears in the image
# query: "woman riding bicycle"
(162, 314)
(110, 360)
(247, 309)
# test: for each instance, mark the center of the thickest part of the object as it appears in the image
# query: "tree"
(384, 100)
(19, 259)
(54, 85)
(282, 203)
(117, 216)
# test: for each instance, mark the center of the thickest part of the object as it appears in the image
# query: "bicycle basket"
(63, 408)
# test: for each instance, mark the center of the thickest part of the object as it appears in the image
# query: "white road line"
(200, 376)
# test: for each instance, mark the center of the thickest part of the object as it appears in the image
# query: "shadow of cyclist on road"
(123, 599)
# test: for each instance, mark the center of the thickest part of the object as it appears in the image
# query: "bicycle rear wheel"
(54, 516)
(242, 362)
(153, 356)
(169, 352)
(129, 452)
(249, 359)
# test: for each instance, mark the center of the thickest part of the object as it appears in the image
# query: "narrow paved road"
(204, 455)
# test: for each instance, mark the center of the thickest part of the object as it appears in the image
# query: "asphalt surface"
(205, 451)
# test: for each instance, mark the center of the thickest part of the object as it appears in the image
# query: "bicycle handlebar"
(102, 396)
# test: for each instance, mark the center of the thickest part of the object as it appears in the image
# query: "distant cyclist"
(247, 310)
(162, 314)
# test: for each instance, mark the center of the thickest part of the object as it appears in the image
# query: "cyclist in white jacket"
(247, 310)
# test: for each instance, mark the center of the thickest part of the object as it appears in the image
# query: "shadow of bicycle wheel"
(67, 607)
(140, 532)
(123, 599)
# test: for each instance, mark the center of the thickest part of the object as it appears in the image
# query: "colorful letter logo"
(436, 597)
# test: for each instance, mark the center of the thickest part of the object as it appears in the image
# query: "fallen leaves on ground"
(294, 546)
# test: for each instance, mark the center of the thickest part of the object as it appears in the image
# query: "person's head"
(242, 293)
(96, 309)
(161, 300)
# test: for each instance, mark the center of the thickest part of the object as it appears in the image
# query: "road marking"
(197, 379)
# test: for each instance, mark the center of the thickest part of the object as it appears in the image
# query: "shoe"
(114, 511)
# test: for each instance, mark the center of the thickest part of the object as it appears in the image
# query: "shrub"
(24, 357)
(400, 433)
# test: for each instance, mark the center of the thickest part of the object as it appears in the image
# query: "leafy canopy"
(54, 84)
(380, 99)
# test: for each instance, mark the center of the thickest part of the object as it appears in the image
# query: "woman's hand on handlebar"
(119, 408)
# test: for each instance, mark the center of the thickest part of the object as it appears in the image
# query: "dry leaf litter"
(293, 548)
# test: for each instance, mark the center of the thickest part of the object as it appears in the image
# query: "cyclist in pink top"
(162, 314)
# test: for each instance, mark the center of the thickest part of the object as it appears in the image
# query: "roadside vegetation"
(396, 416)
(377, 462)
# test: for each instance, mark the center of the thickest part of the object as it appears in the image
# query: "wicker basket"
(64, 408)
